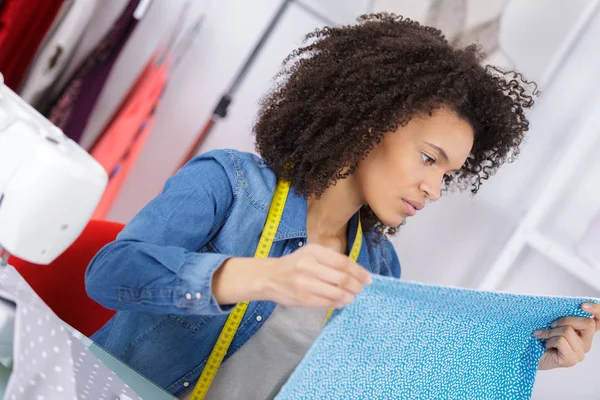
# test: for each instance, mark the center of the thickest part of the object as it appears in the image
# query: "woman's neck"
(328, 216)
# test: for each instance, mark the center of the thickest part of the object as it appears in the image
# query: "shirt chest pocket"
(192, 323)
(209, 247)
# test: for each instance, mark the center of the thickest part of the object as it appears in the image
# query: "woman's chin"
(392, 220)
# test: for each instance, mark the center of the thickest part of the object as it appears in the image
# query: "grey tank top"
(258, 370)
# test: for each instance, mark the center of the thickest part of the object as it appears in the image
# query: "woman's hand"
(313, 276)
(569, 339)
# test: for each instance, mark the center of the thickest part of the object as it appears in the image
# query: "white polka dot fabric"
(403, 340)
(49, 363)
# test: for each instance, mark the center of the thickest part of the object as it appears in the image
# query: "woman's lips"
(410, 209)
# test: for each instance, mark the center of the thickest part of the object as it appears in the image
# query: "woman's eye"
(427, 160)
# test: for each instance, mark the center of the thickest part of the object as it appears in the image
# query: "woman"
(367, 124)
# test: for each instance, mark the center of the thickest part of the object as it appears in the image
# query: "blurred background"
(533, 228)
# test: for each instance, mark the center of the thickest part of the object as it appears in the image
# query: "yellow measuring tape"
(235, 317)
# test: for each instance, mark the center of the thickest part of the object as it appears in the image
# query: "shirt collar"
(293, 219)
(293, 225)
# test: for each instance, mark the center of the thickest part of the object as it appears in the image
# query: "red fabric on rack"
(123, 140)
(122, 171)
(23, 26)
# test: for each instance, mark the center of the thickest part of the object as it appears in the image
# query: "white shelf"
(527, 233)
(565, 258)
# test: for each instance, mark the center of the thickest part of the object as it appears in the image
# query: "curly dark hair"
(338, 96)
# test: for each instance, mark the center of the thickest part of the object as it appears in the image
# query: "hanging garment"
(49, 363)
(121, 171)
(121, 144)
(62, 12)
(404, 340)
(23, 25)
(56, 50)
(73, 107)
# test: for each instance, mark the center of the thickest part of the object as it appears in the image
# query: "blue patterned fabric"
(404, 340)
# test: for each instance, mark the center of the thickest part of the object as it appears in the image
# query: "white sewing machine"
(49, 186)
(49, 189)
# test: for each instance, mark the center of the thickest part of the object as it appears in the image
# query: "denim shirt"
(158, 272)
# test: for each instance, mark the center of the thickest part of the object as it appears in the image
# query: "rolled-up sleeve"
(154, 264)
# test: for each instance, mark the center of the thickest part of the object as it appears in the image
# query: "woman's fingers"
(594, 309)
(315, 276)
(333, 296)
(342, 262)
(567, 342)
(338, 296)
(566, 356)
(585, 327)
(337, 277)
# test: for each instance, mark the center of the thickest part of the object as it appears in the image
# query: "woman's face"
(407, 168)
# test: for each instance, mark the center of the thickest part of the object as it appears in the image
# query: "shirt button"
(198, 295)
(300, 243)
(259, 318)
(188, 296)
(186, 384)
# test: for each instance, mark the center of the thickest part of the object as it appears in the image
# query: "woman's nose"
(432, 190)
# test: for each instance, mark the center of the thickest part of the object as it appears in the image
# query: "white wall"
(453, 241)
